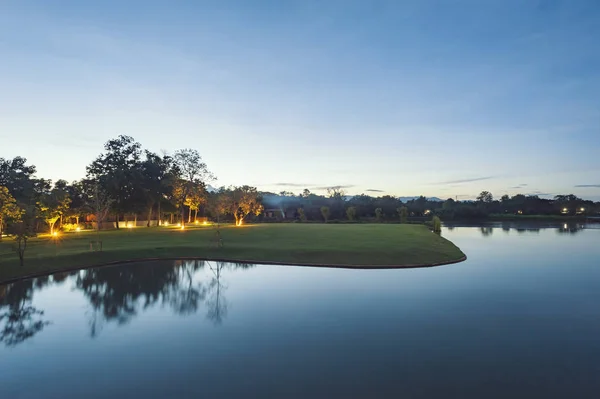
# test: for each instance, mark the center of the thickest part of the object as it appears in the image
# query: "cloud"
(519, 185)
(372, 190)
(588, 185)
(332, 187)
(539, 193)
(291, 185)
(466, 180)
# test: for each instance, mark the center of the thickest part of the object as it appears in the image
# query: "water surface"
(519, 318)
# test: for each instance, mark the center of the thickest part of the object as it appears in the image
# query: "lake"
(519, 318)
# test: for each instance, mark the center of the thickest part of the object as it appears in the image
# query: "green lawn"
(341, 245)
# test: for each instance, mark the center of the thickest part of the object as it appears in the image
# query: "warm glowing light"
(78, 228)
(582, 209)
(196, 222)
(182, 227)
(129, 226)
(240, 223)
(178, 224)
(520, 212)
(565, 226)
(205, 222)
(166, 223)
(55, 234)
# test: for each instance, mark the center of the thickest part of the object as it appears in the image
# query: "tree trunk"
(77, 219)
(159, 216)
(190, 215)
(135, 220)
(149, 215)
(117, 220)
(195, 214)
(182, 214)
(61, 220)
(1, 228)
(171, 217)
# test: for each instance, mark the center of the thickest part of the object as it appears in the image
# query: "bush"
(351, 213)
(403, 212)
(379, 214)
(437, 224)
(301, 214)
(325, 213)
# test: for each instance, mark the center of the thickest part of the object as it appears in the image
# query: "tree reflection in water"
(117, 294)
(19, 319)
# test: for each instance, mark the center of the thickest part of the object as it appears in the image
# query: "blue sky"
(441, 98)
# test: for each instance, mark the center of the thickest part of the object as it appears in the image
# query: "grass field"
(347, 245)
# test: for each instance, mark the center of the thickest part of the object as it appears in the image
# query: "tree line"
(125, 183)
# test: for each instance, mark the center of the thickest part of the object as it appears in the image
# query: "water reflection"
(487, 229)
(118, 294)
(19, 319)
(570, 228)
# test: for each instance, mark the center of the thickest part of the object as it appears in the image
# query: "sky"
(439, 98)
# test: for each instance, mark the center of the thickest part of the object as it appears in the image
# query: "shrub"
(437, 224)
(351, 213)
(403, 212)
(301, 214)
(325, 213)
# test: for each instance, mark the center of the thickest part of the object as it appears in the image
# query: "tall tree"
(118, 172)
(53, 205)
(9, 210)
(196, 198)
(486, 197)
(157, 180)
(18, 177)
(192, 171)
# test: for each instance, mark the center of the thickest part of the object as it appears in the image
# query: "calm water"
(519, 318)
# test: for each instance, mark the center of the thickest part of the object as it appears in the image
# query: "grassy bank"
(351, 245)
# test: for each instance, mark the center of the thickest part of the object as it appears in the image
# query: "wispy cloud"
(539, 193)
(301, 185)
(474, 179)
(519, 185)
(372, 190)
(587, 185)
(332, 187)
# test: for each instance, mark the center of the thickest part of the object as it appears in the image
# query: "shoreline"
(267, 263)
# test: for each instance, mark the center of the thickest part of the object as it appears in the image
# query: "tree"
(118, 172)
(351, 213)
(193, 171)
(18, 178)
(54, 204)
(9, 210)
(80, 202)
(240, 202)
(195, 199)
(505, 198)
(158, 180)
(325, 213)
(403, 212)
(22, 232)
(301, 214)
(379, 214)
(101, 203)
(485, 197)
